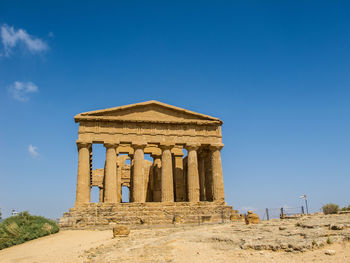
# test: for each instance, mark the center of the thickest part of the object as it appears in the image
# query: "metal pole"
(307, 209)
(267, 214)
(281, 212)
(302, 210)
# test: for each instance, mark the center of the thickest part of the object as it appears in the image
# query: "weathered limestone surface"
(119, 230)
(192, 174)
(252, 218)
(110, 191)
(167, 194)
(103, 215)
(191, 186)
(139, 175)
(83, 181)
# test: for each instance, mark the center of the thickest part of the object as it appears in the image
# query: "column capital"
(139, 145)
(111, 144)
(166, 145)
(216, 146)
(156, 156)
(177, 151)
(203, 153)
(192, 146)
(83, 144)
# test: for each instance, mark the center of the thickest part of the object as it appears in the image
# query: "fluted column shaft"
(201, 171)
(208, 178)
(157, 178)
(131, 188)
(192, 173)
(83, 178)
(167, 185)
(180, 191)
(100, 196)
(139, 174)
(110, 187)
(217, 176)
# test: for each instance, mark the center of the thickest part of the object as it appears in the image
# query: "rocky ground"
(316, 238)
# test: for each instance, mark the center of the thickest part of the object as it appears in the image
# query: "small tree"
(330, 209)
(0, 215)
(346, 208)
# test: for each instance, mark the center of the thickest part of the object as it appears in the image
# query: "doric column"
(185, 166)
(110, 187)
(179, 181)
(150, 185)
(139, 174)
(217, 176)
(192, 173)
(90, 175)
(157, 178)
(167, 185)
(131, 191)
(100, 197)
(83, 178)
(208, 178)
(201, 171)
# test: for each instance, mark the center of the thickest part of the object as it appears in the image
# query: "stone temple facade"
(170, 189)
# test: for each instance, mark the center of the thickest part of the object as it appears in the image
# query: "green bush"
(346, 208)
(23, 227)
(330, 209)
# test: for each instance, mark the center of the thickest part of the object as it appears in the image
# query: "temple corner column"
(83, 175)
(217, 175)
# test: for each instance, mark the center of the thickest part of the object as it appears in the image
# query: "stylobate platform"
(103, 215)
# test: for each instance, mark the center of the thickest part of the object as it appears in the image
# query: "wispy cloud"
(33, 151)
(20, 90)
(11, 37)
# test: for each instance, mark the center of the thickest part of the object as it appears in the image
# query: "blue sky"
(276, 73)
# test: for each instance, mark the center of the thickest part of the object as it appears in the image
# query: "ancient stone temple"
(183, 183)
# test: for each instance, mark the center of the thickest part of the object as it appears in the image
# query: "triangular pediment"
(150, 111)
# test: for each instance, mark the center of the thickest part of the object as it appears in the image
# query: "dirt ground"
(205, 243)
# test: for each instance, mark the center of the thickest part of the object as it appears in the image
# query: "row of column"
(204, 178)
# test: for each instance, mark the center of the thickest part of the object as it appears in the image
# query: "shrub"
(329, 241)
(23, 227)
(330, 209)
(346, 208)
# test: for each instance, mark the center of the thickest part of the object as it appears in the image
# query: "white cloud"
(21, 90)
(33, 151)
(11, 37)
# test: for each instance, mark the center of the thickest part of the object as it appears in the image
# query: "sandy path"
(65, 246)
(181, 244)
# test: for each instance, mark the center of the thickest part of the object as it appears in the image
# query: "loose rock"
(121, 231)
(336, 227)
(330, 252)
(252, 218)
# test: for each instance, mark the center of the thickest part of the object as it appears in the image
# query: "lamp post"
(304, 197)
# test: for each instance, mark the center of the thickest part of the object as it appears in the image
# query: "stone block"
(120, 231)
(252, 218)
